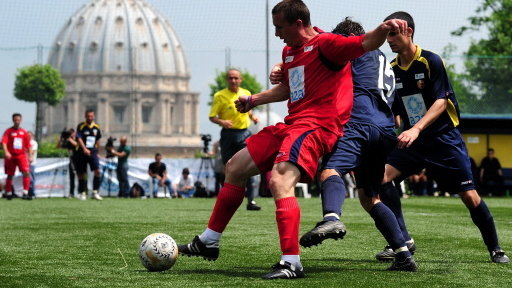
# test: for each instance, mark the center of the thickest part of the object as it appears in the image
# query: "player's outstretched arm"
(277, 93)
(375, 38)
(406, 138)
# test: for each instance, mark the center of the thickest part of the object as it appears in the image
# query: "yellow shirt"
(223, 107)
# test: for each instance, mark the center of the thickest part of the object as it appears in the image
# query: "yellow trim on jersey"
(93, 124)
(452, 112)
(223, 106)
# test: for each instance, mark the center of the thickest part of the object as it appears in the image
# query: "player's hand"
(7, 155)
(244, 104)
(406, 138)
(276, 75)
(397, 25)
(226, 124)
(87, 152)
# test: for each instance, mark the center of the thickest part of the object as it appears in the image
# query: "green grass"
(71, 243)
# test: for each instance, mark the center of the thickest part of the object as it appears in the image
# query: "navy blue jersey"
(89, 134)
(418, 86)
(374, 85)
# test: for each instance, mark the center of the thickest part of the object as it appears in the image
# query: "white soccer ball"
(158, 252)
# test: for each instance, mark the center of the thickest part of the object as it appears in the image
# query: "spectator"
(418, 183)
(16, 145)
(491, 175)
(32, 164)
(218, 167)
(122, 153)
(185, 184)
(158, 173)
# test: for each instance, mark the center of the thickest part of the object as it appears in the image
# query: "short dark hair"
(292, 11)
(348, 26)
(16, 115)
(89, 111)
(158, 154)
(490, 150)
(185, 171)
(403, 16)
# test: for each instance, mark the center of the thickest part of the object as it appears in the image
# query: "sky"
(207, 29)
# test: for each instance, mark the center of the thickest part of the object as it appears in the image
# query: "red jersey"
(319, 96)
(17, 141)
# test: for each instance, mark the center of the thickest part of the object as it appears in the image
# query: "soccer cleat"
(83, 196)
(252, 206)
(199, 249)
(26, 197)
(387, 254)
(323, 230)
(8, 195)
(408, 265)
(284, 270)
(498, 256)
(96, 196)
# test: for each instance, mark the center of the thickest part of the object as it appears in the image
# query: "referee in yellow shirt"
(234, 124)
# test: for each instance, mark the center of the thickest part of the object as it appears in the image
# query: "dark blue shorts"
(444, 156)
(362, 149)
(232, 141)
(82, 160)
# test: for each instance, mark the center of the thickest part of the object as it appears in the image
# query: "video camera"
(64, 135)
(206, 140)
(109, 146)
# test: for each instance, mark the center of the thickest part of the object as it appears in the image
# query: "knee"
(367, 202)
(470, 198)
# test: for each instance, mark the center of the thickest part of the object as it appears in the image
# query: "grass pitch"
(71, 243)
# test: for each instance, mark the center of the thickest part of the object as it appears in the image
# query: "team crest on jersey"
(288, 59)
(419, 76)
(308, 48)
(14, 134)
(399, 86)
(94, 132)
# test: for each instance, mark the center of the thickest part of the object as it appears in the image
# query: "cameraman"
(234, 124)
(122, 153)
(68, 141)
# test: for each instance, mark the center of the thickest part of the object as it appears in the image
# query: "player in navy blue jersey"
(427, 106)
(88, 134)
(368, 138)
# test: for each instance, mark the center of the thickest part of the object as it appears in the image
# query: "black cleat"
(408, 265)
(26, 197)
(284, 270)
(199, 249)
(9, 195)
(498, 256)
(323, 230)
(388, 255)
(252, 206)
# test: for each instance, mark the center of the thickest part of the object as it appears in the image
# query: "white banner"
(52, 175)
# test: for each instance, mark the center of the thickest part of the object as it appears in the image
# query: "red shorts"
(302, 145)
(19, 161)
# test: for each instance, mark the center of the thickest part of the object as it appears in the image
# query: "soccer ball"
(158, 252)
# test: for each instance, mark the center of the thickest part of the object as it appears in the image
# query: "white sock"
(332, 215)
(293, 259)
(210, 237)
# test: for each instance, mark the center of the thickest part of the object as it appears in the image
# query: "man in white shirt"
(32, 164)
(185, 184)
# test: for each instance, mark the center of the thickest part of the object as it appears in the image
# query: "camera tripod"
(110, 165)
(206, 166)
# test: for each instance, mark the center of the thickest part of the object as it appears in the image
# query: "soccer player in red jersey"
(16, 145)
(319, 103)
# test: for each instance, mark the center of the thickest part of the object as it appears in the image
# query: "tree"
(40, 84)
(249, 82)
(488, 61)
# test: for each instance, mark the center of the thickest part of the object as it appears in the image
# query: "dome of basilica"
(123, 36)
